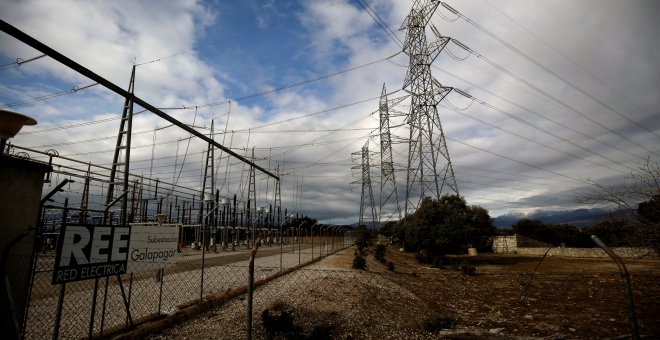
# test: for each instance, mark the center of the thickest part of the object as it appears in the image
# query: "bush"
(438, 322)
(364, 237)
(423, 257)
(278, 320)
(360, 260)
(466, 268)
(379, 254)
(439, 261)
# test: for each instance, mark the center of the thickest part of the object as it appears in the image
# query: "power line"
(543, 67)
(48, 96)
(551, 97)
(227, 39)
(545, 131)
(19, 62)
(534, 141)
(544, 117)
(574, 63)
(289, 86)
(372, 13)
(515, 160)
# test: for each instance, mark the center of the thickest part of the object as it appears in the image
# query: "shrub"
(439, 261)
(379, 254)
(278, 320)
(360, 260)
(437, 323)
(466, 268)
(423, 257)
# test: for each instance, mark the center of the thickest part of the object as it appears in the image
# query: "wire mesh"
(148, 294)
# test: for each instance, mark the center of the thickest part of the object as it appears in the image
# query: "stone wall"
(521, 245)
(509, 244)
(624, 252)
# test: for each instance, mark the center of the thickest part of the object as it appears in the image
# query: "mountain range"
(578, 218)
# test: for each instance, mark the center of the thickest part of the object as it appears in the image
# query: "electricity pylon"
(252, 204)
(84, 201)
(428, 175)
(207, 195)
(367, 209)
(123, 145)
(389, 208)
(278, 197)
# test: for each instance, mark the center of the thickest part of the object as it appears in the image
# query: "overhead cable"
(515, 160)
(19, 62)
(551, 72)
(383, 25)
(569, 59)
(48, 96)
(544, 117)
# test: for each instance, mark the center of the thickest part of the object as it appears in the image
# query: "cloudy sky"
(564, 92)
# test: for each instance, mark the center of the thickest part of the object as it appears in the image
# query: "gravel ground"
(565, 299)
(180, 285)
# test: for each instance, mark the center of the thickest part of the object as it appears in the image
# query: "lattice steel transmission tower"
(429, 167)
(367, 209)
(389, 208)
(123, 145)
(84, 200)
(207, 197)
(252, 205)
(278, 198)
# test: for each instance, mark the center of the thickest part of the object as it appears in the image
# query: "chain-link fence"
(105, 305)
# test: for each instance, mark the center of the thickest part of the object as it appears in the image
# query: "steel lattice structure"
(429, 167)
(367, 208)
(123, 145)
(389, 209)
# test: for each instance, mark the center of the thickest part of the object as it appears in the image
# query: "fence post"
(626, 285)
(201, 283)
(160, 292)
(58, 312)
(90, 331)
(253, 254)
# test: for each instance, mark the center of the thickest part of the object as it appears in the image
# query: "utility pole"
(429, 165)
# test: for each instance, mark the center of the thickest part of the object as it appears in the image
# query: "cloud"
(205, 52)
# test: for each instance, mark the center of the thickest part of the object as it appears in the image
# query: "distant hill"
(579, 217)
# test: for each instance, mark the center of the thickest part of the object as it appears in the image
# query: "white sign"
(93, 251)
(152, 248)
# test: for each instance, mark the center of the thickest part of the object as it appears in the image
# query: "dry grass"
(566, 298)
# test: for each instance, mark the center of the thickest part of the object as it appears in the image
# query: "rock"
(171, 311)
(495, 330)
(571, 329)
(528, 317)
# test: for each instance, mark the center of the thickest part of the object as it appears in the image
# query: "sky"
(563, 93)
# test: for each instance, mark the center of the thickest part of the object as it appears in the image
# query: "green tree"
(555, 234)
(443, 226)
